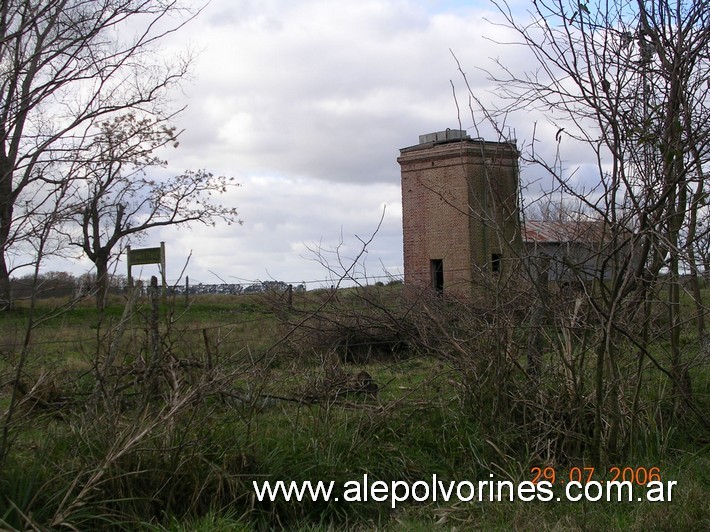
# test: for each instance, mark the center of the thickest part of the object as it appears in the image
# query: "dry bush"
(360, 325)
(541, 415)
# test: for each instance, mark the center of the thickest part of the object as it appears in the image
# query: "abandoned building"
(459, 210)
(567, 251)
(462, 226)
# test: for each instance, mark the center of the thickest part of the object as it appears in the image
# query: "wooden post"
(162, 273)
(187, 290)
(290, 296)
(539, 317)
(155, 343)
(128, 265)
(208, 348)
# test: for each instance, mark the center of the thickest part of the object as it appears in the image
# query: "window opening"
(496, 262)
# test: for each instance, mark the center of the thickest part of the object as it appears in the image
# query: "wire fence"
(238, 332)
(65, 285)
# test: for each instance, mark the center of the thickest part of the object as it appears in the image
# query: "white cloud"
(323, 89)
(307, 103)
(282, 219)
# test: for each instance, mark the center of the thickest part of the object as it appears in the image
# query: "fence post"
(155, 343)
(541, 268)
(208, 348)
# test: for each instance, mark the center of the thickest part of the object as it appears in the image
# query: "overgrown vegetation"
(242, 389)
(136, 415)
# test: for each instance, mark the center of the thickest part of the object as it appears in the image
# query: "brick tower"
(459, 210)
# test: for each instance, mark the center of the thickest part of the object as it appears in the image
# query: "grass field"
(114, 430)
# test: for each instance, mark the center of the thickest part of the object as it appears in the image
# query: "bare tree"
(627, 82)
(119, 199)
(64, 64)
(558, 210)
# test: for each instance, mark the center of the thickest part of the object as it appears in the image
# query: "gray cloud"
(307, 104)
(283, 219)
(322, 89)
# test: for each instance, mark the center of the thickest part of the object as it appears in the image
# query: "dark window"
(496, 262)
(437, 275)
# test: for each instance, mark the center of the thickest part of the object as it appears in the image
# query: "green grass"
(193, 469)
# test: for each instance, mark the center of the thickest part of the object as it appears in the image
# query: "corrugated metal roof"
(538, 232)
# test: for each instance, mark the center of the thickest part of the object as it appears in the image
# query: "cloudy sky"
(307, 103)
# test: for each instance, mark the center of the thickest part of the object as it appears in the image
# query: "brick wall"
(459, 205)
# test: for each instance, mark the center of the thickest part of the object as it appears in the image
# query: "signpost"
(136, 257)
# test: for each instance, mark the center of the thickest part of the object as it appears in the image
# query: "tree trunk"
(102, 281)
(691, 245)
(6, 211)
(5, 285)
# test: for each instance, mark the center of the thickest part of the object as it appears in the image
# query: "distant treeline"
(64, 284)
(236, 288)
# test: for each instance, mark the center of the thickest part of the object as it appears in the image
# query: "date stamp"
(613, 484)
(640, 476)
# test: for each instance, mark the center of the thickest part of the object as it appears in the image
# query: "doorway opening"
(437, 275)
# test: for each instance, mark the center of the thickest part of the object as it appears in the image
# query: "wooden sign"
(145, 256)
(136, 257)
